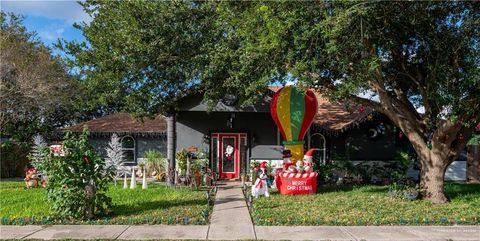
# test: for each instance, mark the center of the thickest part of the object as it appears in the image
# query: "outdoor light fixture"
(230, 120)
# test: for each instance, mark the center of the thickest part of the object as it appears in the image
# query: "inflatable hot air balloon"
(293, 110)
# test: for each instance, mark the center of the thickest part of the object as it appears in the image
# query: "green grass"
(155, 205)
(368, 205)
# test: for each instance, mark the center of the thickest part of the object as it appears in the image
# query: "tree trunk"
(171, 147)
(432, 182)
(473, 164)
(90, 194)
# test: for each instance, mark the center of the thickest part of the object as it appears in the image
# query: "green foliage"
(156, 160)
(368, 205)
(475, 140)
(37, 94)
(181, 158)
(200, 162)
(70, 175)
(156, 205)
(13, 158)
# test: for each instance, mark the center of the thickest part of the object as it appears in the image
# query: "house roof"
(332, 116)
(122, 123)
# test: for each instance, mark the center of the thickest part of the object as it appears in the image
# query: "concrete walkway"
(231, 220)
(149, 232)
(230, 217)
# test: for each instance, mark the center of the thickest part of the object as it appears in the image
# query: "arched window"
(128, 148)
(318, 142)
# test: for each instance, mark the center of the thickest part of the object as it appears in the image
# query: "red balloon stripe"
(273, 111)
(311, 107)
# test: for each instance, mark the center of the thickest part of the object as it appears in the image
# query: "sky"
(52, 19)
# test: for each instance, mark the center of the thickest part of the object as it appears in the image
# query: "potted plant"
(156, 163)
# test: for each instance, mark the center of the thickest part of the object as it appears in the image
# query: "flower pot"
(197, 178)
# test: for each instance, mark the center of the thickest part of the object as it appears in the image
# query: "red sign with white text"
(296, 183)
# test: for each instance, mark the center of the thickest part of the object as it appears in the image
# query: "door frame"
(237, 140)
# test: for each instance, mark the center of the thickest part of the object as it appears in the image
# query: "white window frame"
(324, 148)
(130, 149)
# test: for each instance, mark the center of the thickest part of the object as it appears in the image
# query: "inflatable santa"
(307, 161)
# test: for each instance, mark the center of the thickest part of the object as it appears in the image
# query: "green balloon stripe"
(297, 111)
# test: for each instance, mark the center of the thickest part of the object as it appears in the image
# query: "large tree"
(35, 89)
(142, 56)
(395, 57)
(404, 55)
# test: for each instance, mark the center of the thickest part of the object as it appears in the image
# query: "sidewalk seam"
(42, 228)
(348, 233)
(123, 232)
(208, 229)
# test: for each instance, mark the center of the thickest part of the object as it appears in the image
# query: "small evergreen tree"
(36, 156)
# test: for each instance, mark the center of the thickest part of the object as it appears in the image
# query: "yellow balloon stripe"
(283, 111)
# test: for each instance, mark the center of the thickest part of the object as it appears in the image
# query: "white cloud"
(51, 32)
(67, 10)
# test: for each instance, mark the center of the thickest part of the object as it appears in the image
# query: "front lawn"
(156, 205)
(368, 205)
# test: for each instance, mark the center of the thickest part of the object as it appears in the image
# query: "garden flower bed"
(156, 205)
(368, 205)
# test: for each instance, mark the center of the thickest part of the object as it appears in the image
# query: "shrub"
(77, 181)
(13, 158)
(181, 157)
(156, 161)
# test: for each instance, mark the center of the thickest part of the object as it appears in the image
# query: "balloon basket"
(297, 183)
(296, 151)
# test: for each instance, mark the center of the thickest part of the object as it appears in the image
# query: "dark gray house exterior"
(234, 136)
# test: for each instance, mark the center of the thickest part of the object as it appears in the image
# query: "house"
(235, 136)
(137, 136)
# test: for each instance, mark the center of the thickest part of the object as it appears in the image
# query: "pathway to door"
(230, 218)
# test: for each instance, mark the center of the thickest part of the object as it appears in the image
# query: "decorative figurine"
(31, 178)
(307, 161)
(260, 187)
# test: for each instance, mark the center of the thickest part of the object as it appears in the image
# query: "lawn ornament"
(260, 187)
(299, 165)
(292, 169)
(287, 159)
(31, 178)
(144, 179)
(133, 182)
(293, 111)
(57, 150)
(308, 161)
(125, 185)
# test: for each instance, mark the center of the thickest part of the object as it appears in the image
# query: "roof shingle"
(122, 123)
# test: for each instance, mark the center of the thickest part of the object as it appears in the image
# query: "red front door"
(229, 153)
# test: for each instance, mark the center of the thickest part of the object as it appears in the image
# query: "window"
(318, 142)
(128, 147)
